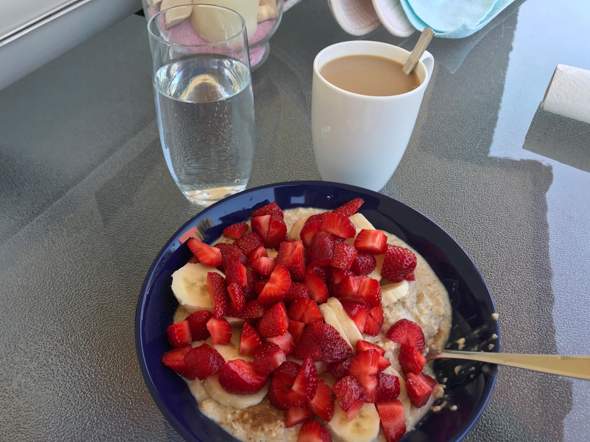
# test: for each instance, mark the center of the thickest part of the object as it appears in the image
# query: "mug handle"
(428, 61)
(289, 4)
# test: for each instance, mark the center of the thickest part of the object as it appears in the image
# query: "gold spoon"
(571, 366)
(421, 45)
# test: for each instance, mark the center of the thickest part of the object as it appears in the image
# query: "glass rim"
(208, 43)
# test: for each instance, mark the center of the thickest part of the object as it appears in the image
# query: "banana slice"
(351, 331)
(189, 285)
(180, 314)
(231, 351)
(360, 222)
(394, 292)
(331, 318)
(295, 230)
(364, 427)
(240, 401)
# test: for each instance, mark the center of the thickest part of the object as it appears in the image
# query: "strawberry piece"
(174, 359)
(277, 231)
(340, 369)
(363, 264)
(374, 321)
(263, 265)
(268, 209)
(206, 254)
(313, 431)
(312, 225)
(338, 225)
(216, 288)
(321, 249)
(249, 242)
(369, 291)
(298, 290)
(257, 253)
(284, 341)
(220, 330)
(318, 290)
(251, 279)
(268, 357)
(343, 256)
(277, 286)
(322, 403)
(239, 377)
(190, 233)
(304, 310)
(252, 310)
(260, 225)
(351, 207)
(274, 322)
(306, 381)
(197, 322)
(357, 312)
(411, 359)
(393, 420)
(296, 415)
(364, 367)
(348, 288)
(398, 263)
(259, 285)
(348, 392)
(419, 388)
(235, 231)
(280, 393)
(411, 277)
(408, 332)
(318, 271)
(363, 345)
(296, 329)
(236, 272)
(321, 341)
(371, 241)
(292, 255)
(388, 387)
(337, 276)
(236, 297)
(230, 252)
(203, 361)
(249, 340)
(179, 334)
(383, 363)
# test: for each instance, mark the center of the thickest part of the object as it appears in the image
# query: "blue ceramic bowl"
(472, 304)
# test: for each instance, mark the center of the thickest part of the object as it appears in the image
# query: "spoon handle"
(571, 366)
(421, 45)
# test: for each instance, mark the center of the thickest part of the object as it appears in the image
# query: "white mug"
(360, 139)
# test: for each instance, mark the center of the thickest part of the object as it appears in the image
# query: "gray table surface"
(86, 202)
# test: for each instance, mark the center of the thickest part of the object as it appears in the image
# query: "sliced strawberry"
(216, 288)
(203, 361)
(174, 359)
(206, 254)
(321, 272)
(268, 357)
(364, 367)
(419, 388)
(274, 322)
(239, 377)
(220, 330)
(371, 241)
(252, 310)
(296, 415)
(405, 331)
(312, 225)
(318, 290)
(229, 252)
(343, 256)
(351, 207)
(374, 321)
(249, 340)
(260, 225)
(363, 345)
(321, 250)
(296, 329)
(277, 286)
(236, 272)
(358, 313)
(249, 242)
(298, 290)
(179, 334)
(337, 276)
(277, 231)
(259, 285)
(398, 263)
(305, 310)
(388, 387)
(369, 292)
(263, 265)
(284, 341)
(411, 359)
(348, 392)
(190, 233)
(340, 369)
(251, 279)
(321, 341)
(257, 253)
(313, 431)
(197, 321)
(338, 225)
(306, 381)
(348, 288)
(363, 264)
(280, 393)
(268, 209)
(292, 255)
(393, 420)
(322, 403)
(235, 231)
(383, 363)
(236, 297)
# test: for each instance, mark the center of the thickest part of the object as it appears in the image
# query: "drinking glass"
(204, 101)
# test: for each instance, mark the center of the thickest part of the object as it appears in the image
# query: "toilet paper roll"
(568, 93)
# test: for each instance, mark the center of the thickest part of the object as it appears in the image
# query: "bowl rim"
(150, 276)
